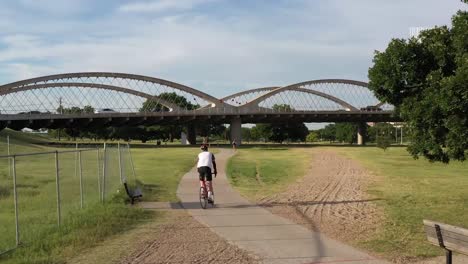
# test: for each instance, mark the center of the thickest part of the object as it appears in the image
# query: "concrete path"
(273, 238)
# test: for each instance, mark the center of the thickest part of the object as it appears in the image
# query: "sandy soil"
(183, 240)
(331, 199)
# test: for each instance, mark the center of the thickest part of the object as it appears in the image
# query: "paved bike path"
(272, 238)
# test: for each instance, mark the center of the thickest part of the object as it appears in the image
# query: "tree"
(211, 130)
(426, 78)
(383, 141)
(282, 108)
(246, 135)
(328, 133)
(312, 136)
(296, 131)
(291, 130)
(168, 132)
(346, 132)
(153, 105)
(88, 109)
(261, 132)
(279, 132)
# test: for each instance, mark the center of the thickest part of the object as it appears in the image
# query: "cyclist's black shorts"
(205, 173)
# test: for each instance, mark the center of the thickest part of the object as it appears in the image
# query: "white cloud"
(20, 71)
(161, 5)
(56, 7)
(217, 52)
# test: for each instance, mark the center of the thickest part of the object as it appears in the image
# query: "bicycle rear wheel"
(203, 198)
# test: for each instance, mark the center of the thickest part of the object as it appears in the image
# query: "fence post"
(80, 169)
(99, 175)
(57, 183)
(131, 163)
(16, 201)
(76, 158)
(120, 163)
(8, 153)
(104, 173)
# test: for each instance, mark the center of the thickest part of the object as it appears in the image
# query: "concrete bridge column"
(362, 127)
(191, 134)
(236, 130)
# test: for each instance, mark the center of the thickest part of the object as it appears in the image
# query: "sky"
(217, 46)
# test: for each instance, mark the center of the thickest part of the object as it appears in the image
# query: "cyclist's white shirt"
(205, 159)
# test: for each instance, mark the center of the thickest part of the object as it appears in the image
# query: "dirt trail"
(184, 240)
(331, 198)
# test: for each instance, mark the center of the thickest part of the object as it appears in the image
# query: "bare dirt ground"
(331, 199)
(181, 239)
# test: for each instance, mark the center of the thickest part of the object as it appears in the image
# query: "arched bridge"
(114, 99)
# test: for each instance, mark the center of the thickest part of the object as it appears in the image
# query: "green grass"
(409, 191)
(259, 172)
(412, 190)
(80, 230)
(160, 169)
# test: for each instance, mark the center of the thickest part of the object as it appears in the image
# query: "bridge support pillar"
(191, 134)
(361, 135)
(236, 130)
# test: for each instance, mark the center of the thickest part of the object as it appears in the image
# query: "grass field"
(259, 172)
(408, 191)
(413, 190)
(160, 169)
(42, 242)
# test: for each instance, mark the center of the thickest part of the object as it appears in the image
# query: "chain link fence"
(39, 190)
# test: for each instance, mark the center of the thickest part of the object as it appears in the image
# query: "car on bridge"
(371, 108)
(104, 110)
(33, 113)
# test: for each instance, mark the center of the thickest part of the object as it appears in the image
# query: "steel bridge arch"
(297, 87)
(14, 85)
(163, 102)
(231, 96)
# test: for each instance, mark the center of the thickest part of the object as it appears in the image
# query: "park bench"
(450, 238)
(133, 194)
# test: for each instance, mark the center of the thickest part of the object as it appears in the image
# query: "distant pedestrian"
(234, 145)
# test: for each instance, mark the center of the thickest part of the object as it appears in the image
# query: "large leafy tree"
(328, 133)
(291, 130)
(426, 78)
(167, 132)
(261, 132)
(346, 132)
(153, 105)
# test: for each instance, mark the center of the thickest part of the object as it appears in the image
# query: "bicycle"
(204, 201)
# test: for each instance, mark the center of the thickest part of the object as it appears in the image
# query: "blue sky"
(217, 46)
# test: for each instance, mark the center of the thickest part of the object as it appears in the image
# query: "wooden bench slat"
(432, 232)
(450, 228)
(450, 246)
(453, 238)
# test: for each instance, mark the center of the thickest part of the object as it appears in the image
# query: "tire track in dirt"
(331, 198)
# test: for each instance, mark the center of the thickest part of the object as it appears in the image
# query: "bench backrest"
(446, 236)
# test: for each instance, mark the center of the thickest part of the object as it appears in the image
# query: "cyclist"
(205, 165)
